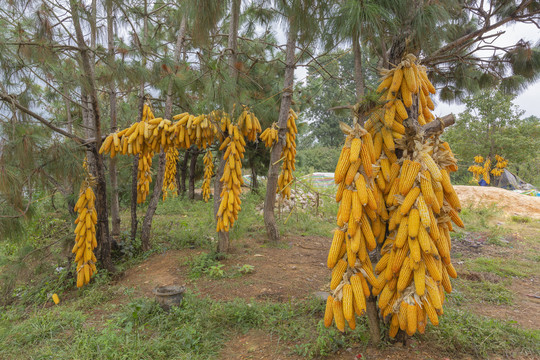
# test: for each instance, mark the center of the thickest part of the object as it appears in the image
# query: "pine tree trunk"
(192, 167)
(358, 73)
(273, 169)
(102, 231)
(113, 172)
(183, 171)
(152, 204)
(133, 205)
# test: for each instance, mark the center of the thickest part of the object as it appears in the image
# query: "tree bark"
(113, 172)
(273, 169)
(133, 207)
(254, 181)
(192, 167)
(134, 173)
(183, 171)
(358, 74)
(102, 232)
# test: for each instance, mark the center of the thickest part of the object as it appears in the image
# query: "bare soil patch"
(292, 269)
(508, 201)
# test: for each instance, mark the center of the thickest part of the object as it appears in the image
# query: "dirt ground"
(509, 202)
(296, 269)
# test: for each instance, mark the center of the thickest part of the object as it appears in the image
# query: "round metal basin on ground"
(168, 296)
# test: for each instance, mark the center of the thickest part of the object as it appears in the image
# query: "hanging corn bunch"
(478, 159)
(417, 204)
(270, 135)
(169, 179)
(208, 173)
(85, 239)
(415, 264)
(249, 124)
(232, 179)
(354, 238)
(288, 154)
(498, 170)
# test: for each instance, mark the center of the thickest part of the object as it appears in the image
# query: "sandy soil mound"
(508, 201)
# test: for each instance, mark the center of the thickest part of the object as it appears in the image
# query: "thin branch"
(12, 100)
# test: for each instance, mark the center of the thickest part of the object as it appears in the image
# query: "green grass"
(521, 219)
(502, 267)
(481, 291)
(198, 329)
(480, 220)
(462, 333)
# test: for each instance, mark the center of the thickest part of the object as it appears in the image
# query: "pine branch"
(475, 36)
(12, 100)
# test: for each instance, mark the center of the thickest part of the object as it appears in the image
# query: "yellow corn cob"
(386, 295)
(432, 267)
(447, 285)
(410, 177)
(401, 237)
(416, 255)
(348, 311)
(356, 144)
(329, 311)
(432, 167)
(406, 95)
(399, 257)
(451, 271)
(423, 211)
(337, 241)
(412, 319)
(414, 222)
(409, 200)
(422, 319)
(396, 81)
(346, 205)
(404, 278)
(337, 273)
(410, 79)
(431, 312)
(368, 140)
(366, 160)
(455, 218)
(338, 315)
(402, 315)
(420, 279)
(351, 172)
(385, 84)
(342, 165)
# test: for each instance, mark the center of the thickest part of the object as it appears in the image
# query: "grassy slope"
(113, 322)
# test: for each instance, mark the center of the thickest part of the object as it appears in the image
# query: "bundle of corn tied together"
(151, 135)
(85, 232)
(417, 204)
(288, 154)
(208, 173)
(502, 163)
(232, 178)
(357, 230)
(169, 178)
